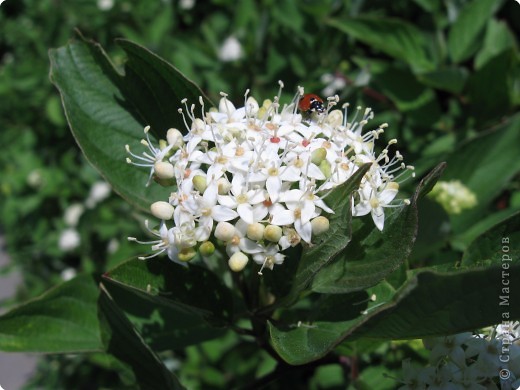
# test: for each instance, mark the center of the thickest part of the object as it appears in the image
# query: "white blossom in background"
(35, 179)
(73, 213)
(253, 180)
(231, 49)
(334, 84)
(453, 196)
(105, 5)
(489, 360)
(186, 4)
(68, 274)
(99, 191)
(69, 240)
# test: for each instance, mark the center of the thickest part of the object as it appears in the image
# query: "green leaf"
(161, 281)
(429, 304)
(163, 327)
(122, 340)
(450, 79)
(394, 37)
(373, 254)
(337, 238)
(62, 320)
(489, 88)
(498, 38)
(464, 36)
(504, 236)
(107, 110)
(485, 165)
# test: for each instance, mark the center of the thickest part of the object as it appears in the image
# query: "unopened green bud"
(255, 231)
(200, 183)
(238, 261)
(186, 254)
(207, 248)
(273, 233)
(318, 155)
(162, 210)
(320, 225)
(325, 168)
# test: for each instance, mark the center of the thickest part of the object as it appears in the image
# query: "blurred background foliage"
(444, 74)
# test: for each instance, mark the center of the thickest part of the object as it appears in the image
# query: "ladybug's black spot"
(316, 106)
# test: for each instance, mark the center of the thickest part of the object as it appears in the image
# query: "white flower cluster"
(467, 361)
(253, 179)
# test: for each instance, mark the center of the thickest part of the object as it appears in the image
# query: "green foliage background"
(445, 75)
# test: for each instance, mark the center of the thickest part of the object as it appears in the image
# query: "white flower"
(73, 214)
(98, 192)
(251, 178)
(69, 240)
(105, 5)
(231, 49)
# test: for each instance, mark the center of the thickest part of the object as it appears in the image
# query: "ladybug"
(310, 103)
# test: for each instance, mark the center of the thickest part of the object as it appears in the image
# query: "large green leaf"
(373, 254)
(498, 38)
(193, 289)
(464, 35)
(429, 304)
(489, 88)
(337, 238)
(62, 320)
(449, 79)
(107, 109)
(122, 340)
(162, 326)
(485, 164)
(394, 37)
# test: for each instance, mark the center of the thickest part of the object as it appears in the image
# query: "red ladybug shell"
(311, 103)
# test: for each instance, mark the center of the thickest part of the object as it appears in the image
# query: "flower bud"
(223, 186)
(273, 233)
(198, 126)
(255, 231)
(224, 231)
(238, 261)
(186, 254)
(207, 248)
(320, 225)
(325, 168)
(318, 155)
(200, 183)
(335, 118)
(174, 137)
(162, 210)
(251, 106)
(164, 170)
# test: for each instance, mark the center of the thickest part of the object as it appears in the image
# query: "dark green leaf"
(373, 255)
(160, 281)
(107, 110)
(464, 36)
(498, 39)
(122, 341)
(428, 304)
(489, 88)
(450, 79)
(498, 244)
(394, 37)
(485, 165)
(163, 326)
(63, 320)
(337, 238)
